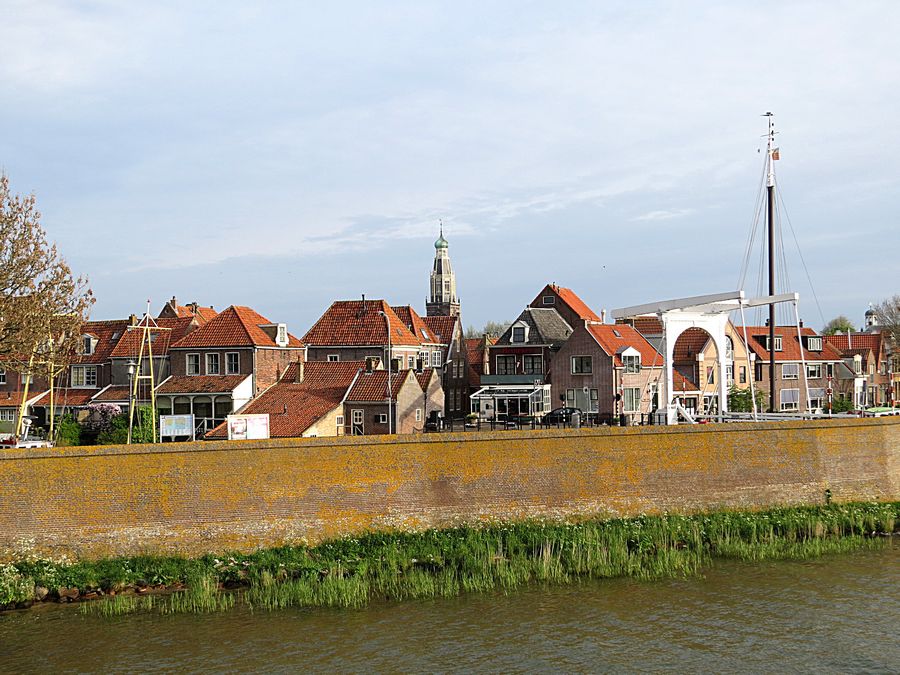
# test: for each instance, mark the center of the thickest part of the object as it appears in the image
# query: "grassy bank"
(396, 566)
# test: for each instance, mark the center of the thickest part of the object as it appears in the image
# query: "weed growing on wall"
(440, 563)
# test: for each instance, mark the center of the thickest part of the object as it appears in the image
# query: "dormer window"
(281, 338)
(777, 343)
(814, 344)
(632, 363)
(89, 344)
(857, 364)
(519, 333)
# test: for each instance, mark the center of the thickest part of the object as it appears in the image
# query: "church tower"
(443, 300)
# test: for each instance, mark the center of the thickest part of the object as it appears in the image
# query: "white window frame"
(411, 362)
(187, 364)
(81, 380)
(636, 399)
(2, 376)
(357, 416)
(789, 404)
(381, 418)
(549, 300)
(814, 371)
(7, 415)
(333, 358)
(206, 360)
(814, 344)
(632, 363)
(583, 360)
(436, 359)
(339, 421)
(792, 374)
(228, 369)
(27, 379)
(426, 359)
(519, 327)
(729, 375)
(88, 345)
(418, 414)
(778, 343)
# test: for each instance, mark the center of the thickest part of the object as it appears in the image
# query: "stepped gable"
(441, 327)
(790, 347)
(173, 330)
(373, 386)
(616, 338)
(293, 406)
(236, 326)
(107, 334)
(351, 323)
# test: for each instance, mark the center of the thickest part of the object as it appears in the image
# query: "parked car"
(561, 415)
(434, 421)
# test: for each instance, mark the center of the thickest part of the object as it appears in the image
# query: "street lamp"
(389, 391)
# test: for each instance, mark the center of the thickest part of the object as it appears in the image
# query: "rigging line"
(802, 259)
(748, 253)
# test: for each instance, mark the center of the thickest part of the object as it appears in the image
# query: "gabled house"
(366, 409)
(565, 301)
(455, 375)
(519, 381)
(609, 369)
(172, 310)
(792, 384)
(353, 330)
(866, 354)
(308, 400)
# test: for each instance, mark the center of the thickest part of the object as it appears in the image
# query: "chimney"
(174, 302)
(132, 320)
(299, 373)
(603, 315)
(801, 323)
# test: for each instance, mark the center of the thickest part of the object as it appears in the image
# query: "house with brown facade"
(366, 407)
(866, 355)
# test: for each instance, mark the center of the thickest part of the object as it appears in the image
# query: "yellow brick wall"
(198, 497)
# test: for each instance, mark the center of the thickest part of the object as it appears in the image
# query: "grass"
(350, 572)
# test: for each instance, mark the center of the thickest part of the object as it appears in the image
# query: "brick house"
(366, 406)
(433, 395)
(599, 361)
(791, 384)
(172, 310)
(565, 301)
(868, 358)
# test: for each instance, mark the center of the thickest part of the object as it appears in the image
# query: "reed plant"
(348, 573)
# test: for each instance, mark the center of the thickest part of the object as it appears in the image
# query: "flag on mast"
(775, 153)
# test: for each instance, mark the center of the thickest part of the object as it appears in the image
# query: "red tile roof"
(68, 397)
(233, 327)
(690, 343)
(790, 347)
(682, 384)
(856, 341)
(13, 399)
(107, 333)
(613, 344)
(441, 328)
(424, 377)
(171, 331)
(373, 386)
(201, 384)
(114, 393)
(358, 323)
(294, 407)
(645, 325)
(414, 322)
(570, 298)
(475, 357)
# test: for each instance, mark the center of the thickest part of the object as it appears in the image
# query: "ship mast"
(771, 156)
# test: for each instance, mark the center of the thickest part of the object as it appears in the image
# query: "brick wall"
(215, 496)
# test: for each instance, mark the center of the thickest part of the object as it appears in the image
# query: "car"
(562, 415)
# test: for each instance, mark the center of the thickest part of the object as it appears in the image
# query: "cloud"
(666, 214)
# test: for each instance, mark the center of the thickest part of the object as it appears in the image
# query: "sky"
(285, 155)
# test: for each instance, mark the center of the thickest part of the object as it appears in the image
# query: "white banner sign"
(248, 427)
(176, 425)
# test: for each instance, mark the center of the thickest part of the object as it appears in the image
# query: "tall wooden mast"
(771, 155)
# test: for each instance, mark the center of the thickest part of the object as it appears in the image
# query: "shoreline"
(396, 565)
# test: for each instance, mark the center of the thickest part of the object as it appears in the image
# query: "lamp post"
(131, 366)
(389, 390)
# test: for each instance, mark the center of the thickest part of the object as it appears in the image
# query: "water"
(832, 615)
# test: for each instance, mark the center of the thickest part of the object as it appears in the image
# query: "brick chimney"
(299, 372)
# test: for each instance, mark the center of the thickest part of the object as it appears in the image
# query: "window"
(729, 348)
(595, 397)
(790, 399)
(816, 397)
(381, 418)
(533, 364)
(506, 365)
(212, 364)
(814, 344)
(814, 370)
(857, 364)
(8, 415)
(790, 371)
(2, 376)
(549, 299)
(570, 398)
(582, 365)
(281, 335)
(84, 376)
(27, 379)
(193, 364)
(436, 359)
(742, 374)
(357, 416)
(519, 334)
(410, 362)
(89, 344)
(710, 375)
(729, 375)
(418, 414)
(777, 343)
(632, 399)
(829, 370)
(333, 358)
(425, 360)
(232, 363)
(757, 371)
(632, 363)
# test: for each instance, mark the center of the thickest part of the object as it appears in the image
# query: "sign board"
(176, 425)
(248, 427)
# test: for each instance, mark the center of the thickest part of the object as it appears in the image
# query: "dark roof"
(201, 384)
(546, 327)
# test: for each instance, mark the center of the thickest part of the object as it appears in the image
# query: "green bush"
(68, 431)
(117, 434)
(14, 586)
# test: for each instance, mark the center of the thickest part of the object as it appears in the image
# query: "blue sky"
(288, 154)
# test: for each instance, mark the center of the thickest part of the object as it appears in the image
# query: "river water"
(838, 614)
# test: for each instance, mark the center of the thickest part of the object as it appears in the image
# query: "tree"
(495, 328)
(888, 314)
(839, 324)
(42, 306)
(739, 400)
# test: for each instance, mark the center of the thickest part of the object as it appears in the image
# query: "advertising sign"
(176, 425)
(248, 427)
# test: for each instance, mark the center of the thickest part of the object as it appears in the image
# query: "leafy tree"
(739, 400)
(839, 324)
(888, 314)
(39, 297)
(495, 328)
(840, 405)
(68, 431)
(117, 433)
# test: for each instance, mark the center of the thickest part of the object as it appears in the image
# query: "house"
(366, 408)
(796, 390)
(519, 381)
(172, 310)
(353, 330)
(609, 369)
(866, 354)
(308, 400)
(432, 392)
(565, 301)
